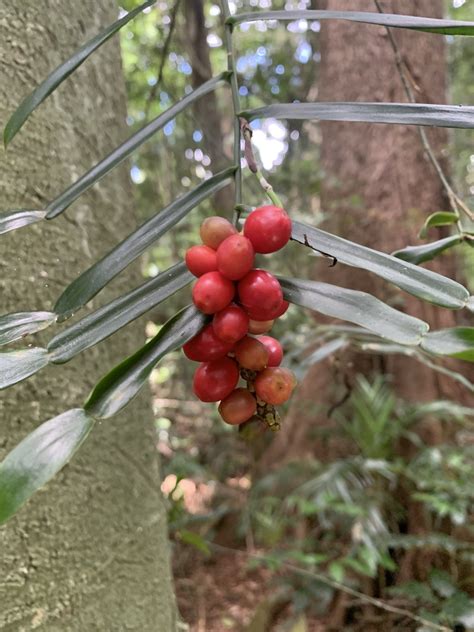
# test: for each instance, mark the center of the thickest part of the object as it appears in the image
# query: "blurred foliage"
(348, 518)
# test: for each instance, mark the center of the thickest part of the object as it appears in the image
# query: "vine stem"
(455, 201)
(252, 163)
(231, 67)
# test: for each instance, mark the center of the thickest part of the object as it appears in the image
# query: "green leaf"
(440, 218)
(395, 113)
(420, 254)
(118, 155)
(120, 385)
(111, 317)
(456, 342)
(33, 100)
(90, 282)
(194, 539)
(356, 307)
(16, 366)
(11, 220)
(19, 324)
(430, 25)
(424, 284)
(442, 583)
(39, 457)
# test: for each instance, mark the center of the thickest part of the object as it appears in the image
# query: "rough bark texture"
(207, 108)
(89, 552)
(378, 189)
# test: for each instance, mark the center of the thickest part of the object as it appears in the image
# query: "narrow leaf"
(430, 25)
(326, 350)
(16, 366)
(395, 113)
(33, 100)
(90, 282)
(118, 155)
(19, 324)
(118, 387)
(427, 252)
(418, 355)
(11, 220)
(424, 284)
(440, 218)
(355, 307)
(456, 342)
(39, 457)
(108, 319)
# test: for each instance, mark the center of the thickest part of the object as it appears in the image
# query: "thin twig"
(378, 603)
(252, 163)
(164, 56)
(455, 201)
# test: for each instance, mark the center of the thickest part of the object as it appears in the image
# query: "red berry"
(215, 380)
(268, 228)
(206, 346)
(215, 229)
(238, 407)
(251, 354)
(284, 306)
(235, 257)
(274, 385)
(230, 324)
(260, 326)
(201, 259)
(260, 295)
(212, 292)
(274, 348)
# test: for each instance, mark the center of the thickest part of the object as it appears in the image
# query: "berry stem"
(252, 163)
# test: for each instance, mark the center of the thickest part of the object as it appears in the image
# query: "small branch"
(455, 201)
(378, 603)
(252, 163)
(164, 56)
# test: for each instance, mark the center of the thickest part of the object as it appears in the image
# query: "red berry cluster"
(243, 301)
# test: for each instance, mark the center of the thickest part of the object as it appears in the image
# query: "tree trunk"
(89, 552)
(207, 108)
(378, 188)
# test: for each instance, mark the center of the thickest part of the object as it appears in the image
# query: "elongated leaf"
(65, 199)
(16, 366)
(430, 25)
(108, 319)
(418, 355)
(424, 284)
(427, 252)
(440, 218)
(90, 282)
(33, 100)
(355, 307)
(11, 220)
(325, 351)
(19, 324)
(395, 113)
(121, 385)
(39, 457)
(457, 342)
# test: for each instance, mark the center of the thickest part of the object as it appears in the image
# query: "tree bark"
(89, 552)
(207, 108)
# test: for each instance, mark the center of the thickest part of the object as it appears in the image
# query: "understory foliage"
(333, 523)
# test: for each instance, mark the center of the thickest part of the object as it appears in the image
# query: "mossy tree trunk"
(88, 552)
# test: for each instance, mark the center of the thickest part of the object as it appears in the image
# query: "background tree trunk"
(90, 551)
